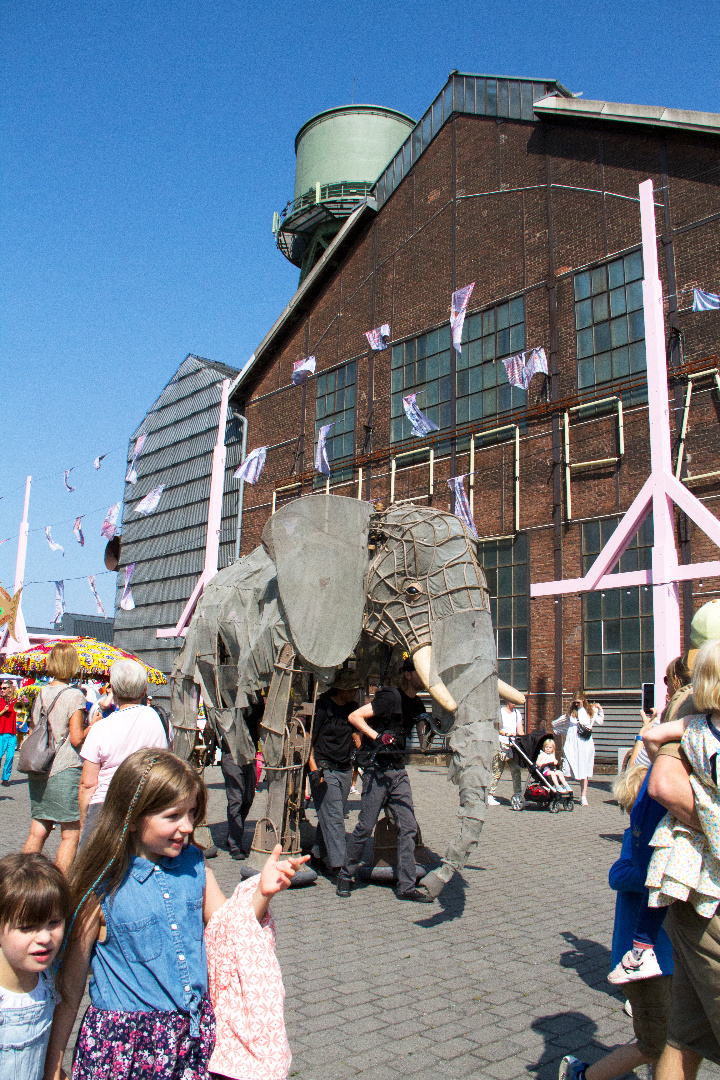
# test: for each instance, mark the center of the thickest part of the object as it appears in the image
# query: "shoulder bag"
(38, 750)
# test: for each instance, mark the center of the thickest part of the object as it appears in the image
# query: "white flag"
(252, 466)
(77, 529)
(302, 369)
(322, 464)
(51, 542)
(98, 460)
(98, 601)
(126, 600)
(462, 506)
(67, 480)
(108, 528)
(705, 301)
(131, 477)
(420, 423)
(458, 308)
(149, 503)
(59, 600)
(378, 338)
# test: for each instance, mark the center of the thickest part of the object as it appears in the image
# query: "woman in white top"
(579, 749)
(133, 726)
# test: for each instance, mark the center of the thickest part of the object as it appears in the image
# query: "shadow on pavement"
(565, 1033)
(590, 960)
(451, 901)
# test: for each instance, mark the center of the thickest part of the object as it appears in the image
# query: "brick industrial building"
(531, 193)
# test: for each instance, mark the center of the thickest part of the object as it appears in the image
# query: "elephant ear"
(319, 545)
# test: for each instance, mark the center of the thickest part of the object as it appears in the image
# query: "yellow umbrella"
(96, 658)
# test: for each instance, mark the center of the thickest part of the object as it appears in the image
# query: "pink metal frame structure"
(658, 493)
(212, 540)
(21, 640)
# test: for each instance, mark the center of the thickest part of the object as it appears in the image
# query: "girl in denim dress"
(142, 896)
(34, 904)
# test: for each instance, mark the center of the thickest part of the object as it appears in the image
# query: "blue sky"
(146, 146)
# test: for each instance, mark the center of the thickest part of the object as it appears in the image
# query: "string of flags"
(109, 525)
(59, 600)
(302, 369)
(126, 600)
(66, 480)
(54, 546)
(322, 465)
(379, 337)
(419, 422)
(98, 601)
(462, 506)
(521, 367)
(705, 301)
(77, 529)
(252, 466)
(131, 477)
(458, 308)
(148, 505)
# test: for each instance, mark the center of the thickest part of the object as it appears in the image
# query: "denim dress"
(24, 1035)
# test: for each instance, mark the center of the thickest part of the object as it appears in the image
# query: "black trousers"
(240, 782)
(391, 788)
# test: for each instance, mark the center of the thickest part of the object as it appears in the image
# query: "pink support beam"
(659, 491)
(212, 538)
(21, 640)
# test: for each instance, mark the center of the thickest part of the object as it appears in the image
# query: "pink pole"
(21, 640)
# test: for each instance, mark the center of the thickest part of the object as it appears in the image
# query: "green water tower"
(339, 155)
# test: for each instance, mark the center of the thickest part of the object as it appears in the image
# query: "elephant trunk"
(421, 658)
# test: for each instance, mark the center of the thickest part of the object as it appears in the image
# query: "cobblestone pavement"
(500, 979)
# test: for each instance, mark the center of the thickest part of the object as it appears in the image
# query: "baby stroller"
(538, 790)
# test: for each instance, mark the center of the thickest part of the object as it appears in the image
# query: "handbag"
(584, 732)
(38, 750)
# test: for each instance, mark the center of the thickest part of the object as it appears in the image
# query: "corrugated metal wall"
(168, 547)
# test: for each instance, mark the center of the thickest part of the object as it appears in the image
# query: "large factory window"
(506, 570)
(421, 366)
(336, 403)
(610, 330)
(617, 623)
(482, 386)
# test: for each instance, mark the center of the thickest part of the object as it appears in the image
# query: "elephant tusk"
(509, 693)
(440, 692)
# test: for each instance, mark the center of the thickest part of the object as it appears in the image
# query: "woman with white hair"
(110, 740)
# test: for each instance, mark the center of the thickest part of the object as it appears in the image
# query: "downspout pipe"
(241, 492)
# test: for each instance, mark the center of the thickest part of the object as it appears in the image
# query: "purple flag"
(420, 423)
(51, 542)
(458, 308)
(59, 600)
(97, 461)
(108, 528)
(67, 480)
(149, 503)
(322, 465)
(515, 369)
(98, 601)
(378, 338)
(462, 506)
(705, 301)
(252, 466)
(126, 600)
(303, 368)
(131, 477)
(536, 362)
(77, 529)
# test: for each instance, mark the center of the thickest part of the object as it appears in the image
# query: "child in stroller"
(540, 788)
(547, 763)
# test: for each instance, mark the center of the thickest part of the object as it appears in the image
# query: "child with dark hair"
(34, 906)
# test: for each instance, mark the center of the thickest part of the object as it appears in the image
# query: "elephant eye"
(412, 590)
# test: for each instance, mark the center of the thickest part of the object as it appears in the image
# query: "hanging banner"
(67, 480)
(378, 338)
(131, 477)
(148, 505)
(536, 363)
(59, 600)
(252, 466)
(108, 529)
(515, 370)
(126, 600)
(521, 367)
(51, 542)
(98, 601)
(77, 529)
(302, 369)
(420, 423)
(462, 506)
(97, 461)
(458, 308)
(705, 301)
(322, 465)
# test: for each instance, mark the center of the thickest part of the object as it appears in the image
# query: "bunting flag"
(77, 529)
(536, 363)
(462, 506)
(59, 600)
(126, 600)
(98, 601)
(420, 423)
(131, 477)
(108, 529)
(458, 308)
(148, 505)
(67, 480)
(51, 542)
(322, 465)
(252, 466)
(705, 301)
(379, 337)
(302, 369)
(515, 370)
(97, 460)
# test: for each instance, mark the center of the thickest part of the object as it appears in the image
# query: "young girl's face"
(163, 835)
(549, 746)
(32, 948)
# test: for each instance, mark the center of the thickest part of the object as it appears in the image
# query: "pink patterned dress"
(247, 992)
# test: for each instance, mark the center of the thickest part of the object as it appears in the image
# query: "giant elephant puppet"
(333, 576)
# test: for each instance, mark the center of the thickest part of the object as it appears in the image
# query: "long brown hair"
(147, 782)
(579, 696)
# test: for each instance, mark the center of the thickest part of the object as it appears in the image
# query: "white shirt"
(116, 737)
(509, 722)
(9, 999)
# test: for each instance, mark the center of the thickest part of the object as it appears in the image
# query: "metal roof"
(655, 115)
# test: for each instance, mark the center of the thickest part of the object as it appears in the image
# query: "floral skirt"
(157, 1045)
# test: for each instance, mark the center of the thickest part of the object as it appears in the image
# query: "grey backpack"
(38, 750)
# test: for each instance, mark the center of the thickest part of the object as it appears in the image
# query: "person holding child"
(142, 898)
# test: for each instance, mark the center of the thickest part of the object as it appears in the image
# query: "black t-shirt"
(332, 738)
(387, 718)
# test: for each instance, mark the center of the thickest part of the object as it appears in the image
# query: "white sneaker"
(583, 801)
(354, 790)
(492, 801)
(631, 970)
